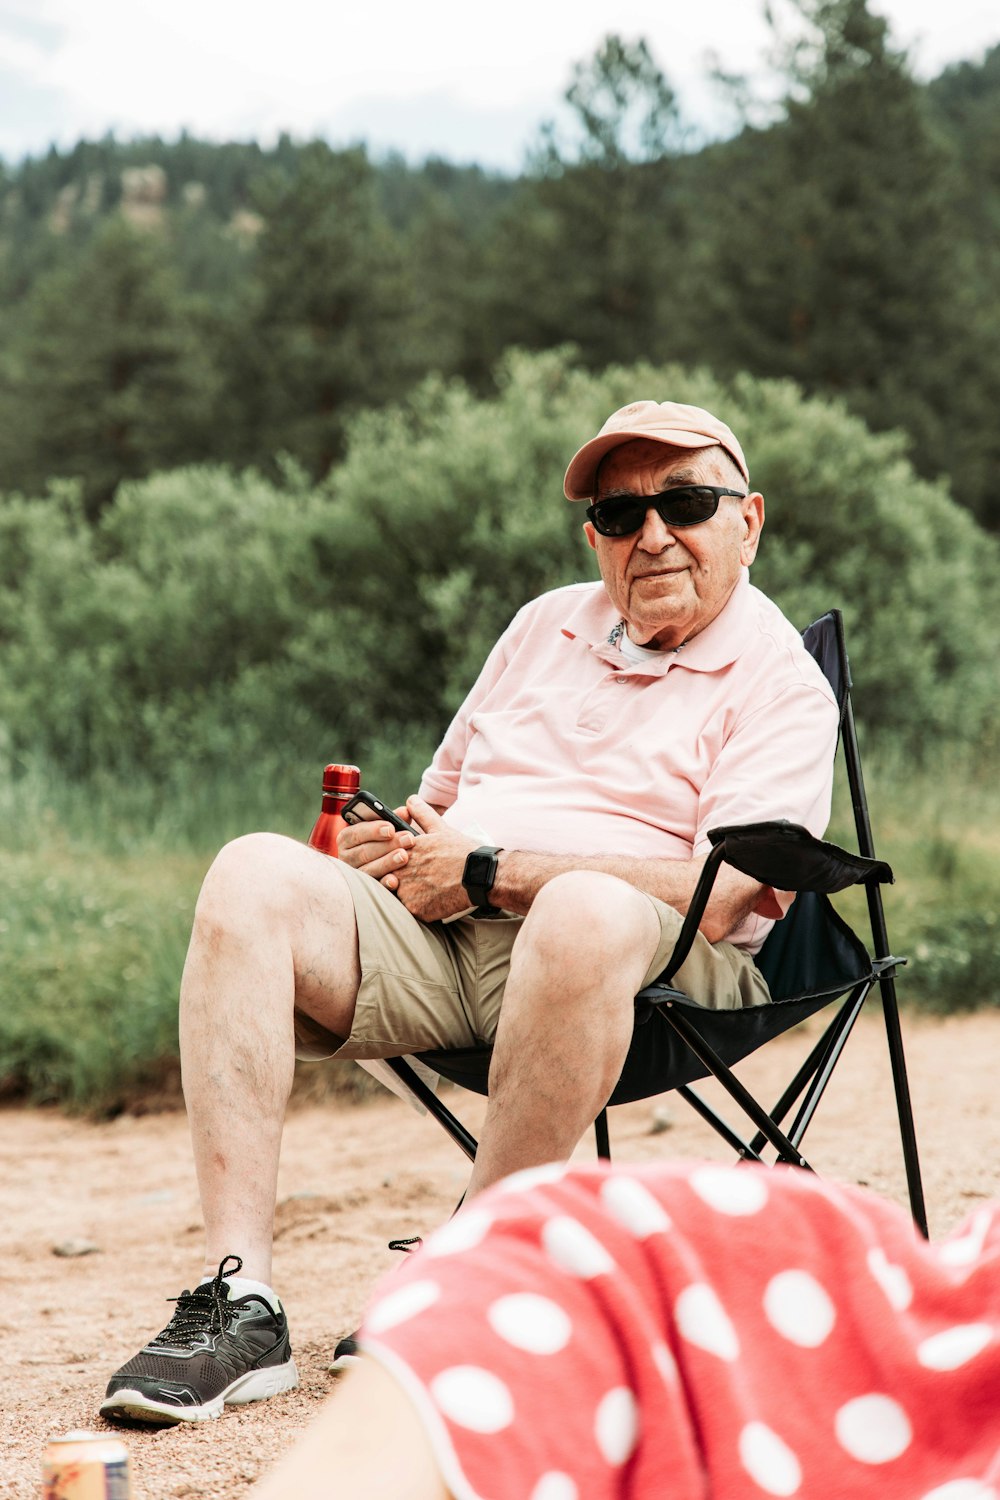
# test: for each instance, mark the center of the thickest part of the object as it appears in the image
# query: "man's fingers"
(386, 864)
(383, 864)
(373, 851)
(420, 812)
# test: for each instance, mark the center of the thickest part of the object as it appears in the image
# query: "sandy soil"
(354, 1176)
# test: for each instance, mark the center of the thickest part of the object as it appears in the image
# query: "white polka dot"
(530, 1177)
(770, 1463)
(731, 1190)
(574, 1249)
(891, 1278)
(535, 1324)
(616, 1425)
(664, 1361)
(467, 1229)
(873, 1429)
(634, 1207)
(400, 1305)
(799, 1308)
(473, 1398)
(554, 1486)
(955, 1346)
(968, 1247)
(962, 1489)
(703, 1320)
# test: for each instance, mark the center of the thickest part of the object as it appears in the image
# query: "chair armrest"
(780, 854)
(788, 857)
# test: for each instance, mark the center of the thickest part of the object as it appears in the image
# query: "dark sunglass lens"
(688, 507)
(619, 517)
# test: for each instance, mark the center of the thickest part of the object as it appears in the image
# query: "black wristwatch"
(479, 875)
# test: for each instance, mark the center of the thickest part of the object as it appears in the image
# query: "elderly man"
(563, 822)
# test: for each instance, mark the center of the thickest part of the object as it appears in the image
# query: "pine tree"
(331, 299)
(108, 378)
(837, 262)
(592, 249)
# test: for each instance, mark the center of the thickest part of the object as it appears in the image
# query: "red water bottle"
(339, 783)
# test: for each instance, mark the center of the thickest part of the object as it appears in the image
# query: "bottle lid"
(341, 781)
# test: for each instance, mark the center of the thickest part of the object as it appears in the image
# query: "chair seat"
(809, 959)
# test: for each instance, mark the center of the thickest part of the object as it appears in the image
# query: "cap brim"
(579, 483)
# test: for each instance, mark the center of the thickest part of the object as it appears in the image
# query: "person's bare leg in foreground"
(366, 1443)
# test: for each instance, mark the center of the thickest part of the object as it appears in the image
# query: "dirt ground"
(354, 1176)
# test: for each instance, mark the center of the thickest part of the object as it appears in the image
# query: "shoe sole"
(345, 1361)
(255, 1385)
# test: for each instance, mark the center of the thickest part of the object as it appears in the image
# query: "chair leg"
(463, 1139)
(746, 1150)
(836, 1041)
(710, 1059)
(812, 1065)
(904, 1108)
(601, 1135)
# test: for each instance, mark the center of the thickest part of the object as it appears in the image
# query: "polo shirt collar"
(718, 645)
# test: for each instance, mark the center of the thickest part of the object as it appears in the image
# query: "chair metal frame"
(796, 861)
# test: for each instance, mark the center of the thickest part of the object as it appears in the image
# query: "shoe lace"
(407, 1246)
(205, 1310)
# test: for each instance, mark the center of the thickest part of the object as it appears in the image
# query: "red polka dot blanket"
(699, 1332)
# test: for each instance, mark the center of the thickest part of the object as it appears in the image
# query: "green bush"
(954, 963)
(90, 972)
(213, 619)
(939, 827)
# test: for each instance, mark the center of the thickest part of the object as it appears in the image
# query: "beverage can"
(85, 1466)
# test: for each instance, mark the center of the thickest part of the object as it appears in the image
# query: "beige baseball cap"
(668, 422)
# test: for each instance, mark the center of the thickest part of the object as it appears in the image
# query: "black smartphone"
(364, 807)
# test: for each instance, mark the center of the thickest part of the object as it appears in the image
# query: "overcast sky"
(467, 81)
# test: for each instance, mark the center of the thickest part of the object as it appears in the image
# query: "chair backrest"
(826, 643)
(824, 640)
(813, 949)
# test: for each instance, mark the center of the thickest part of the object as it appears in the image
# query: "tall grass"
(939, 829)
(98, 883)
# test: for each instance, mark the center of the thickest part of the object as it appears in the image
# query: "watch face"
(479, 875)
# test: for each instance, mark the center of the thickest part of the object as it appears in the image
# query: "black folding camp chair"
(811, 959)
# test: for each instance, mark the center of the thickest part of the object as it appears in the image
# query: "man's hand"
(425, 872)
(430, 881)
(376, 848)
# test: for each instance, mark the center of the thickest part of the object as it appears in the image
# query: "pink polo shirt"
(564, 747)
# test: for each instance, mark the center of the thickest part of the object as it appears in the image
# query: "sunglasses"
(687, 505)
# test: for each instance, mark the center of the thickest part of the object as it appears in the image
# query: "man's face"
(669, 584)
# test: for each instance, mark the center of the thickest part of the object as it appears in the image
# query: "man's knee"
(588, 912)
(263, 879)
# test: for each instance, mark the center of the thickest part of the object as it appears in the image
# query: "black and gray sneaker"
(348, 1351)
(213, 1351)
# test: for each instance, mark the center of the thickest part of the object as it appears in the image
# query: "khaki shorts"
(426, 986)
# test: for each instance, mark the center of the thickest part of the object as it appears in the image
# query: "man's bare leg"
(566, 1020)
(274, 922)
